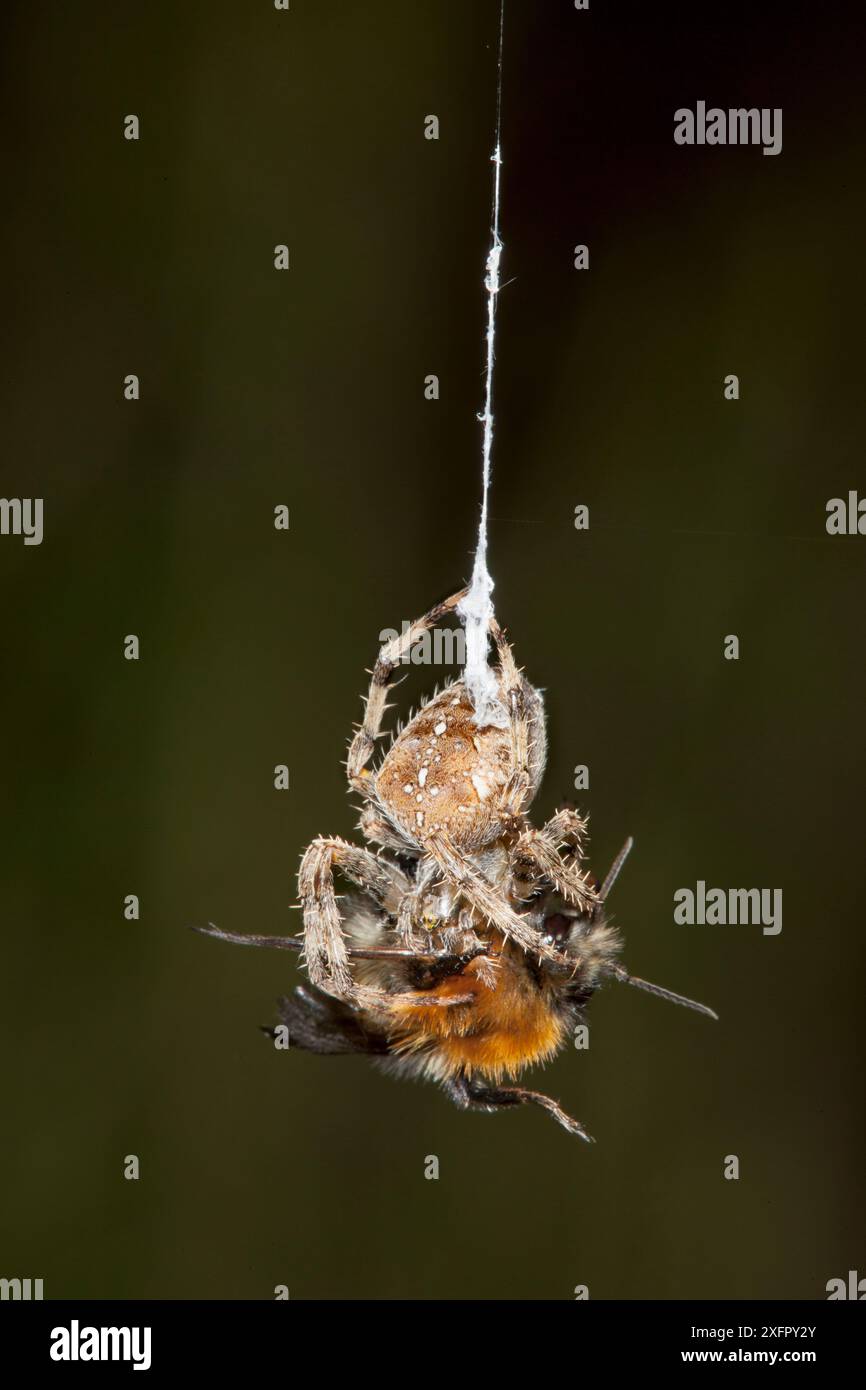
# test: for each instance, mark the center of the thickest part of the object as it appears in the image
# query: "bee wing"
(317, 1022)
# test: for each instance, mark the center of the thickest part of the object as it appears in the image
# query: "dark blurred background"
(306, 388)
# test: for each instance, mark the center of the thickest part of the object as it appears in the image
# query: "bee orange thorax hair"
(503, 1029)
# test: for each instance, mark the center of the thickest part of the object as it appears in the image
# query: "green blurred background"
(306, 388)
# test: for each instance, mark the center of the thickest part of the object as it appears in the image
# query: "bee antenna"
(620, 973)
(614, 870)
(283, 943)
(292, 943)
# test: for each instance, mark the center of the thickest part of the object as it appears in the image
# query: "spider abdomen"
(442, 770)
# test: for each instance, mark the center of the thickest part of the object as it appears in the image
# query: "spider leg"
(381, 879)
(326, 949)
(567, 829)
(407, 915)
(528, 743)
(390, 655)
(375, 828)
(515, 792)
(474, 1095)
(537, 852)
(325, 945)
(480, 894)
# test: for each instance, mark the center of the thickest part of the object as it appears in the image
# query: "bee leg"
(474, 1095)
(430, 972)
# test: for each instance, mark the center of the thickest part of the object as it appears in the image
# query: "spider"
(470, 941)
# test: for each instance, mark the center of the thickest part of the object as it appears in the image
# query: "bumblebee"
(469, 941)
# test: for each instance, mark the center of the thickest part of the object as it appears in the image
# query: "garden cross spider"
(471, 940)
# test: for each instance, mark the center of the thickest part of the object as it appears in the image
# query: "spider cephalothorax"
(471, 940)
